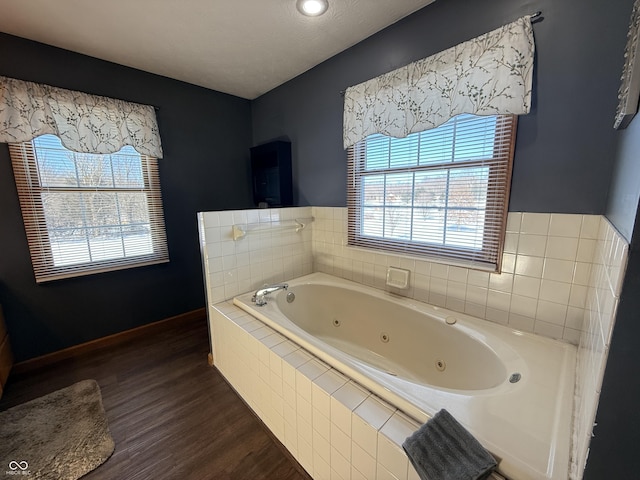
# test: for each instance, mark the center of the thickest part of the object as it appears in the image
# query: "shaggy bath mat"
(63, 435)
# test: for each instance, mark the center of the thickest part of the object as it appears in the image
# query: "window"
(88, 213)
(441, 193)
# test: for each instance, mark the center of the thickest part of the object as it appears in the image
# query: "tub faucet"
(259, 296)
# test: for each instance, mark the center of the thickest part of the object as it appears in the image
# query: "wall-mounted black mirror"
(271, 174)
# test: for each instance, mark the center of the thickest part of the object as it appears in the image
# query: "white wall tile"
(356, 475)
(508, 263)
(305, 454)
(477, 295)
(363, 463)
(571, 335)
(578, 296)
(533, 245)
(374, 411)
(458, 274)
(521, 305)
(550, 312)
(529, 266)
(321, 403)
(392, 457)
(226, 218)
(535, 223)
(526, 286)
(559, 270)
(514, 220)
(563, 248)
(350, 395)
(211, 219)
(565, 225)
(498, 300)
(502, 282)
(558, 292)
(548, 329)
(455, 304)
(304, 412)
(439, 270)
(478, 278)
(423, 267)
(521, 322)
(582, 273)
(456, 290)
(340, 466)
(340, 440)
(383, 474)
(364, 435)
(586, 250)
(497, 316)
(322, 426)
(412, 474)
(438, 286)
(511, 242)
(590, 226)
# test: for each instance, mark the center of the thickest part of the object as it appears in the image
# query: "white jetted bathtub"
(512, 390)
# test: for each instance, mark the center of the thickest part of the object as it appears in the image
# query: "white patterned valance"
(84, 123)
(489, 75)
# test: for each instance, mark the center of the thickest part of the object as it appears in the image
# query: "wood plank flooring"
(172, 416)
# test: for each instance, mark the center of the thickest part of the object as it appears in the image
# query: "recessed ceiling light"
(312, 8)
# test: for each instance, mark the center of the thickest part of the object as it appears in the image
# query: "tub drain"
(440, 365)
(384, 338)
(336, 322)
(515, 378)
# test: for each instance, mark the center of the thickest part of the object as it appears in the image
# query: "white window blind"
(88, 213)
(439, 193)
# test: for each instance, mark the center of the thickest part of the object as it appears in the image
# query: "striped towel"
(442, 449)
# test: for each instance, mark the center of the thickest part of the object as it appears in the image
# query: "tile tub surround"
(268, 255)
(561, 278)
(331, 425)
(546, 268)
(602, 301)
(546, 265)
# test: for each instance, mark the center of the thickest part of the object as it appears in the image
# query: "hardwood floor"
(172, 416)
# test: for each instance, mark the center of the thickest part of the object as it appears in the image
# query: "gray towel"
(442, 449)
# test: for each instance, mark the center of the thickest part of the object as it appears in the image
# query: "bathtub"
(512, 390)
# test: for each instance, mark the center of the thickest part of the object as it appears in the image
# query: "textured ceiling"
(240, 47)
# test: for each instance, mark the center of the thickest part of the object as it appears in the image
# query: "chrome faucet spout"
(259, 298)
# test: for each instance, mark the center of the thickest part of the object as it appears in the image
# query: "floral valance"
(84, 123)
(489, 75)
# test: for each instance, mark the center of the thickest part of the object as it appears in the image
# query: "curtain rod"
(536, 16)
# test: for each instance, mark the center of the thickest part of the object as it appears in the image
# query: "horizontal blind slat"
(456, 177)
(105, 211)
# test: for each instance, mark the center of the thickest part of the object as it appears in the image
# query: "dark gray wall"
(206, 137)
(564, 146)
(614, 447)
(624, 191)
